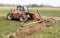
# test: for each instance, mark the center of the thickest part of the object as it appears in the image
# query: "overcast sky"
(25, 2)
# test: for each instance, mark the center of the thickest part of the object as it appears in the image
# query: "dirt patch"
(3, 15)
(56, 18)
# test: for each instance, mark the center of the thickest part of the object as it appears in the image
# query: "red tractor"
(22, 13)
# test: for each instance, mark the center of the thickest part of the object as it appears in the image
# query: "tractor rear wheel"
(9, 17)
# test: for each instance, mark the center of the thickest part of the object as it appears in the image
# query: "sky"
(26, 2)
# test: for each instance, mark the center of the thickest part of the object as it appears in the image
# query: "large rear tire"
(9, 17)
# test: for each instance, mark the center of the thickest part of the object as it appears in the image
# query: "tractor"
(27, 29)
(22, 14)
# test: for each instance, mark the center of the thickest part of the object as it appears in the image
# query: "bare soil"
(56, 18)
(3, 15)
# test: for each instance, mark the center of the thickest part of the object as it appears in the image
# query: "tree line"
(29, 5)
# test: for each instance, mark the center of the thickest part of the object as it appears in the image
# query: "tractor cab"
(22, 8)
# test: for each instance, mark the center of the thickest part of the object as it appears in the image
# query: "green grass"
(7, 26)
(49, 32)
(47, 11)
(53, 13)
(5, 10)
(39, 8)
(43, 11)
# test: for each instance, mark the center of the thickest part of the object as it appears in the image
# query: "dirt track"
(3, 15)
(56, 18)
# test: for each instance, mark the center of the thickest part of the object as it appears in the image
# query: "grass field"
(7, 26)
(43, 11)
(47, 11)
(49, 32)
(5, 10)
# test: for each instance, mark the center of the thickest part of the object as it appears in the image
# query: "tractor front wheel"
(22, 18)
